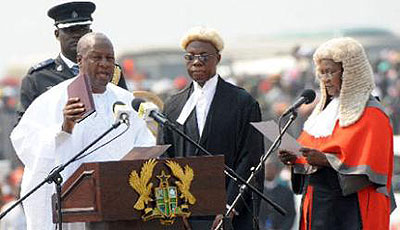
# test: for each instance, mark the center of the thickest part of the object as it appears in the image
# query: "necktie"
(75, 69)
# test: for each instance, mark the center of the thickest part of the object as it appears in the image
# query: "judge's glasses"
(201, 57)
(329, 75)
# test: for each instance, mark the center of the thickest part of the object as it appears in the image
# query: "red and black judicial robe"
(359, 183)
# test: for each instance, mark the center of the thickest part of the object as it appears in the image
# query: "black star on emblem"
(163, 178)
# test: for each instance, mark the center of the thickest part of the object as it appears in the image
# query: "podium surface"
(100, 192)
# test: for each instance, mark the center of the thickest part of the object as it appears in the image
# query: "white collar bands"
(322, 124)
(208, 90)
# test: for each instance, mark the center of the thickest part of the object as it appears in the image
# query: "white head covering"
(357, 78)
(201, 33)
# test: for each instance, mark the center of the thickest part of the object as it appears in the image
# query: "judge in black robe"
(227, 129)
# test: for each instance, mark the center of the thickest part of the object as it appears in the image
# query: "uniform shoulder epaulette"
(41, 65)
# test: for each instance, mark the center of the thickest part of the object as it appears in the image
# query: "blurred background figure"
(14, 220)
(9, 90)
(180, 83)
(278, 190)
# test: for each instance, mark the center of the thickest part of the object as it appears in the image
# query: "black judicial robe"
(227, 131)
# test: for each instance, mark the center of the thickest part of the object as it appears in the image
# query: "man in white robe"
(48, 134)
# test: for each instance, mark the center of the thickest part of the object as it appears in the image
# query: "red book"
(81, 88)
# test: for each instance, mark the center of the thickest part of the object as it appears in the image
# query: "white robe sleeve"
(34, 140)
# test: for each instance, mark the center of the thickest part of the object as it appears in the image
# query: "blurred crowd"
(9, 193)
(387, 71)
(275, 92)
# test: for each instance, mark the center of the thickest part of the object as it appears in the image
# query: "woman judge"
(346, 162)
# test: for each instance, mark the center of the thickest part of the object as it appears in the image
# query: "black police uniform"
(42, 77)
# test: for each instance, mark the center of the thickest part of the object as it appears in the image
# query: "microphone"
(121, 112)
(149, 110)
(136, 103)
(306, 97)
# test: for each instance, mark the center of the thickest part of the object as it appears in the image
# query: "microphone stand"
(227, 170)
(256, 170)
(55, 177)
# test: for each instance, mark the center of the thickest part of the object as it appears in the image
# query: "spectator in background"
(273, 98)
(15, 219)
(392, 100)
(387, 71)
(278, 191)
(180, 83)
(9, 90)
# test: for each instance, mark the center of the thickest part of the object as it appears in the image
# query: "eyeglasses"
(201, 57)
(329, 76)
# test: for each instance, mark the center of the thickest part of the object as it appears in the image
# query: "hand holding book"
(72, 112)
(80, 102)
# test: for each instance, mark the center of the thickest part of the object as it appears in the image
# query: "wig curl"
(357, 78)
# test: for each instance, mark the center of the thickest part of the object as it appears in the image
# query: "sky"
(27, 32)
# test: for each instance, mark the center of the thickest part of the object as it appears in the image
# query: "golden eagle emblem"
(185, 177)
(165, 202)
(141, 184)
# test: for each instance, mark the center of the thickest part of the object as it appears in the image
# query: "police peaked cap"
(72, 13)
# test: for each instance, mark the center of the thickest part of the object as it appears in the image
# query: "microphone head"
(136, 103)
(117, 104)
(145, 110)
(309, 95)
(121, 112)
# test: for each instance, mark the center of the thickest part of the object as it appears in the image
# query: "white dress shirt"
(68, 62)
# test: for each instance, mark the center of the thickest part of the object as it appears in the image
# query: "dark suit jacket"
(227, 131)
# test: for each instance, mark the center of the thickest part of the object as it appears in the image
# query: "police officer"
(72, 21)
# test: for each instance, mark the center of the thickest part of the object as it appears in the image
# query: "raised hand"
(72, 112)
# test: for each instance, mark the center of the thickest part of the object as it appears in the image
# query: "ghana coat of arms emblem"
(167, 201)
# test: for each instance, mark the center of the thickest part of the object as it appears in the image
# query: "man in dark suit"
(72, 21)
(217, 115)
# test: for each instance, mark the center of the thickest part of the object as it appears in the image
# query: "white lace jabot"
(322, 124)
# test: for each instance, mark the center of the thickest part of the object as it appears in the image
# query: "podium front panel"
(99, 192)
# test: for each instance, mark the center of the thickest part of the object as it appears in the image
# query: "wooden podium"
(100, 194)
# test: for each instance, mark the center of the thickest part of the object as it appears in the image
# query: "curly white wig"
(357, 78)
(201, 33)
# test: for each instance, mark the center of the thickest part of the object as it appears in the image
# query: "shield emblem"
(166, 200)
